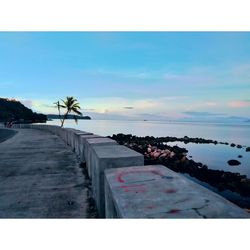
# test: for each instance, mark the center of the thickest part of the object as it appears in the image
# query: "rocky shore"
(156, 151)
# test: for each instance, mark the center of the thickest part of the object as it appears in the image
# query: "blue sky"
(130, 75)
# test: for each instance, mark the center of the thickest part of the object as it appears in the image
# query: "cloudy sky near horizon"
(130, 75)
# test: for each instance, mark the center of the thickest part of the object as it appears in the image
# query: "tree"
(58, 106)
(71, 105)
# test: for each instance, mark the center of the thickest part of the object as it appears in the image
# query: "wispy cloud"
(27, 103)
(128, 107)
(211, 104)
(201, 114)
(88, 109)
(239, 104)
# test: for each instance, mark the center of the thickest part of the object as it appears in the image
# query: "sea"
(214, 156)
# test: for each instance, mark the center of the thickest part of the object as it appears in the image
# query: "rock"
(233, 163)
(239, 146)
(248, 149)
(172, 154)
(156, 154)
(239, 156)
(232, 145)
(163, 155)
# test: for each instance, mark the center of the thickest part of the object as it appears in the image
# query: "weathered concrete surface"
(90, 143)
(82, 145)
(105, 157)
(40, 178)
(157, 192)
(77, 135)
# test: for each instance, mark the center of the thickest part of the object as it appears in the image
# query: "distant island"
(14, 111)
(51, 116)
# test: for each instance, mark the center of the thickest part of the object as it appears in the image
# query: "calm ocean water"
(214, 156)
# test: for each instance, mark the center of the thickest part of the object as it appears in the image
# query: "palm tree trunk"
(64, 117)
(60, 117)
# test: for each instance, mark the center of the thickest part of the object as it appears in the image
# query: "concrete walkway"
(40, 177)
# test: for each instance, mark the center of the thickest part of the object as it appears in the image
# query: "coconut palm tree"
(72, 106)
(58, 106)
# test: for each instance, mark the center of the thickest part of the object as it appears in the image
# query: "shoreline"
(156, 151)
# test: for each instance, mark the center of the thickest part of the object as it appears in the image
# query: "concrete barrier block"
(72, 139)
(76, 146)
(24, 125)
(105, 157)
(64, 134)
(69, 135)
(42, 127)
(61, 133)
(157, 192)
(82, 145)
(17, 126)
(90, 143)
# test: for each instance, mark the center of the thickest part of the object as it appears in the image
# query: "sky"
(183, 76)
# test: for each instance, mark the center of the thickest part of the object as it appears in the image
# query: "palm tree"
(72, 106)
(58, 106)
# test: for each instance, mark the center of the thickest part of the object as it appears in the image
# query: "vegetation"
(15, 111)
(52, 116)
(70, 105)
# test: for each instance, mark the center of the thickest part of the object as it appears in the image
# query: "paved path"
(6, 134)
(40, 177)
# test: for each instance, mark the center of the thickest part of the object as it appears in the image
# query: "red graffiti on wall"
(138, 186)
(120, 176)
(169, 191)
(174, 211)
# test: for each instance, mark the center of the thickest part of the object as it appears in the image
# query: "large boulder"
(233, 163)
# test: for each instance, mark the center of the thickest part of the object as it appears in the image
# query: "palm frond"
(76, 111)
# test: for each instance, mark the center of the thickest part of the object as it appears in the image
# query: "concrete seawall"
(124, 188)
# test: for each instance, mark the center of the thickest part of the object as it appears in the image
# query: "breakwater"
(123, 187)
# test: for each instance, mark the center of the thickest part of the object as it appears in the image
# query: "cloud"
(212, 104)
(202, 114)
(27, 103)
(88, 109)
(241, 69)
(120, 74)
(169, 98)
(239, 104)
(128, 107)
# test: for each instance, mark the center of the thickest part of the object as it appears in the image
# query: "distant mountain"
(13, 110)
(51, 116)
